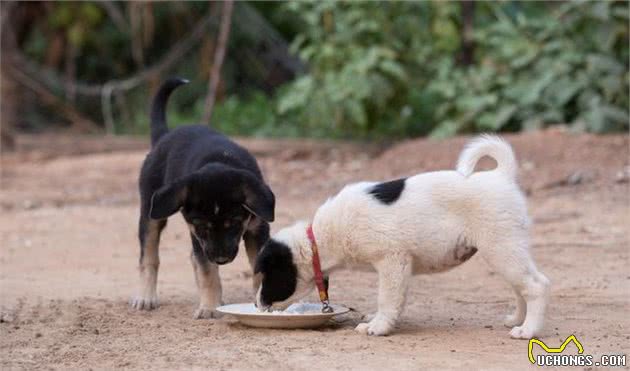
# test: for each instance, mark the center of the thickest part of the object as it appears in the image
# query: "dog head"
(285, 263)
(217, 202)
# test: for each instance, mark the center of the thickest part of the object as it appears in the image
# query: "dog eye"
(227, 224)
(209, 225)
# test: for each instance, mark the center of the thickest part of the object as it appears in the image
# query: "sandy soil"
(68, 260)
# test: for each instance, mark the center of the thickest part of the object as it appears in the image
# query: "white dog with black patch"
(427, 223)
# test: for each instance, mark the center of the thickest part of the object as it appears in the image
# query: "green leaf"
(445, 129)
(394, 69)
(503, 116)
(600, 63)
(356, 112)
(601, 10)
(475, 103)
(296, 96)
(562, 91)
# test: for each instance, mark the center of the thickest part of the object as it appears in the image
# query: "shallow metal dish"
(299, 315)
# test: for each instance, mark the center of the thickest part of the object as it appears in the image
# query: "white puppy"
(427, 223)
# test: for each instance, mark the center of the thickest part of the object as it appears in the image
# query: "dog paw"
(376, 327)
(370, 316)
(206, 313)
(512, 320)
(362, 328)
(522, 332)
(144, 303)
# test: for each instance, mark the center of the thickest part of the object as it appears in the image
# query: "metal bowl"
(300, 315)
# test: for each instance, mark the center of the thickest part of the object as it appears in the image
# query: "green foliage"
(253, 116)
(566, 67)
(388, 68)
(356, 75)
(374, 69)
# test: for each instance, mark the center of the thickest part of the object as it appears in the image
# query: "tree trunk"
(467, 51)
(219, 56)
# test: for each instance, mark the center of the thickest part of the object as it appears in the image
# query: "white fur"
(436, 214)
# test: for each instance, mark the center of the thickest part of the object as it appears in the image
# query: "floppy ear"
(167, 200)
(259, 199)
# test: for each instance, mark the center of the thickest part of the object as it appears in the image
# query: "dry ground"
(68, 262)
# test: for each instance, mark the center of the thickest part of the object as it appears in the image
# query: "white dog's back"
(468, 205)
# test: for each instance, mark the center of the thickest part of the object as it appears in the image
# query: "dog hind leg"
(517, 318)
(514, 262)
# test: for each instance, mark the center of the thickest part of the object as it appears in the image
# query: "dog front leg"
(393, 279)
(208, 285)
(149, 234)
(255, 237)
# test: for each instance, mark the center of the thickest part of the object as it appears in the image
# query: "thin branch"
(115, 14)
(51, 79)
(219, 56)
(67, 110)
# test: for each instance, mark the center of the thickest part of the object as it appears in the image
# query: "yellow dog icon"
(560, 349)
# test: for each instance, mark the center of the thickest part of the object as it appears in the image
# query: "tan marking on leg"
(147, 298)
(252, 253)
(209, 286)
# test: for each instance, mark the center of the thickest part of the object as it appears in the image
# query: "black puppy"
(220, 191)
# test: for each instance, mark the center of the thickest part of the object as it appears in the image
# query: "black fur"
(388, 192)
(468, 255)
(214, 182)
(158, 114)
(279, 273)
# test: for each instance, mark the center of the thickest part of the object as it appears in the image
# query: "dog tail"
(158, 113)
(492, 146)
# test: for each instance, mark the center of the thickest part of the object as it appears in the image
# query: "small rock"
(575, 178)
(38, 334)
(623, 176)
(6, 318)
(29, 205)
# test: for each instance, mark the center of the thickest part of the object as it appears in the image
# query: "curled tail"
(492, 146)
(158, 114)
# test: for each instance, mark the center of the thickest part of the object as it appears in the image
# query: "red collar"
(317, 269)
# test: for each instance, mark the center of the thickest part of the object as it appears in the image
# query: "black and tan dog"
(220, 191)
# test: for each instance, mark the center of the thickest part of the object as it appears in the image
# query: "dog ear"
(167, 200)
(259, 199)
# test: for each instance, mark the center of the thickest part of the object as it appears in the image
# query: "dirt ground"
(68, 260)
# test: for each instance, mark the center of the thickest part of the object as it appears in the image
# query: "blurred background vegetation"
(320, 68)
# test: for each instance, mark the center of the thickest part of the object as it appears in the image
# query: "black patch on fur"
(279, 280)
(468, 254)
(388, 192)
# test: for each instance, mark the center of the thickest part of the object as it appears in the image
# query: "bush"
(563, 68)
(388, 68)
